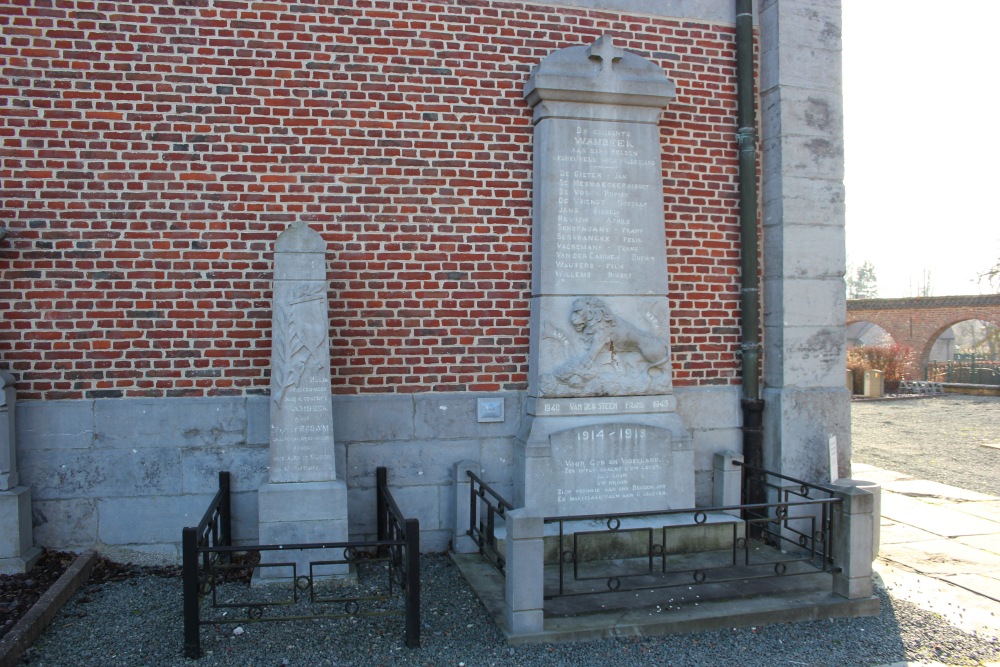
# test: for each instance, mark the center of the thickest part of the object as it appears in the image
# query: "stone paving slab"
(934, 492)
(870, 473)
(986, 583)
(940, 520)
(894, 532)
(955, 569)
(941, 557)
(990, 543)
(989, 510)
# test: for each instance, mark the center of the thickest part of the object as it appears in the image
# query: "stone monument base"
(18, 552)
(582, 464)
(301, 513)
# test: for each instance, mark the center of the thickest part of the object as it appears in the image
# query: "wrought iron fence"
(787, 536)
(657, 565)
(966, 371)
(387, 569)
(485, 507)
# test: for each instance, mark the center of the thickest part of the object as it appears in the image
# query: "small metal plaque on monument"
(602, 432)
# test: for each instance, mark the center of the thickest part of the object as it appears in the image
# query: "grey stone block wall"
(803, 238)
(126, 475)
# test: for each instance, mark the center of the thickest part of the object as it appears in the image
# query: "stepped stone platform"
(588, 610)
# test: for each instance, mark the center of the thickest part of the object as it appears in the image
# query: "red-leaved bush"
(893, 360)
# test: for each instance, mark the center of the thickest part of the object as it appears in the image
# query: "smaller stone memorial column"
(18, 552)
(304, 501)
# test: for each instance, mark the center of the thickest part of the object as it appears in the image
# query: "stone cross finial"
(604, 49)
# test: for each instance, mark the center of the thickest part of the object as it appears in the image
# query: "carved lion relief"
(605, 355)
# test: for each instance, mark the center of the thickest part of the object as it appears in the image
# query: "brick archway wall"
(918, 321)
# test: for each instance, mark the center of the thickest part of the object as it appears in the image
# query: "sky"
(922, 142)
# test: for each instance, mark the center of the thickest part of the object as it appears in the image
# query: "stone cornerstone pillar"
(18, 552)
(525, 581)
(851, 542)
(803, 239)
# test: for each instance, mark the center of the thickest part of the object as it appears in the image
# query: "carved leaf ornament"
(295, 337)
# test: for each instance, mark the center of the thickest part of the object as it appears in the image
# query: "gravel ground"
(137, 621)
(939, 438)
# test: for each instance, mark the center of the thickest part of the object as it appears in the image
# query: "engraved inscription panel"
(610, 467)
(608, 213)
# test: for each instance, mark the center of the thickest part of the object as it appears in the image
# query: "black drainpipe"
(753, 405)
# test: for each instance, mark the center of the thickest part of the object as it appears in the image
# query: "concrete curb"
(21, 636)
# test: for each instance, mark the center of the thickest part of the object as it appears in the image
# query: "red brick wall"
(153, 150)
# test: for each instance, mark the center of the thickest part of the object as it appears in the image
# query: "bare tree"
(862, 282)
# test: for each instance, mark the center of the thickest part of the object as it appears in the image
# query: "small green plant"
(893, 360)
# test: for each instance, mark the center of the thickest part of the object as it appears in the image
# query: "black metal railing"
(485, 507)
(967, 371)
(786, 493)
(393, 560)
(652, 562)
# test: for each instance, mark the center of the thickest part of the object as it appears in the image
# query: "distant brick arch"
(918, 321)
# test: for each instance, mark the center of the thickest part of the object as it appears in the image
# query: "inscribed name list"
(608, 208)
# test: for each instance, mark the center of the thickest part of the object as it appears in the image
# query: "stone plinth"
(601, 432)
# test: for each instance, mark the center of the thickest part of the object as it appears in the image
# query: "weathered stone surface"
(794, 302)
(304, 502)
(457, 416)
(621, 466)
(600, 360)
(68, 473)
(56, 424)
(804, 357)
(69, 524)
(709, 407)
(374, 418)
(15, 523)
(8, 433)
(150, 519)
(820, 253)
(301, 412)
(604, 346)
(801, 422)
(151, 423)
(200, 467)
(410, 463)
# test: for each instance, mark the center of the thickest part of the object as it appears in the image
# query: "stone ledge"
(22, 635)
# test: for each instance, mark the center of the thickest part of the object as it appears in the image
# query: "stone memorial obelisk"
(601, 432)
(303, 502)
(18, 552)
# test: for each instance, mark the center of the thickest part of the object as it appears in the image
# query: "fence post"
(189, 575)
(413, 583)
(852, 542)
(381, 506)
(727, 480)
(225, 510)
(462, 541)
(525, 582)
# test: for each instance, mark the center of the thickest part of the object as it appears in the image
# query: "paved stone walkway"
(939, 549)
